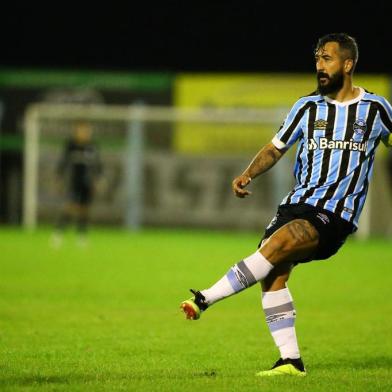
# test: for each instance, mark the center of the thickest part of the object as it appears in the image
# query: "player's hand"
(238, 185)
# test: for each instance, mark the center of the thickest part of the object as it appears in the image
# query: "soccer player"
(338, 129)
(79, 167)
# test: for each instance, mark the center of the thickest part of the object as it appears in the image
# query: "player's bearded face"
(328, 84)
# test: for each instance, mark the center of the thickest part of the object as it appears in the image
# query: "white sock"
(280, 316)
(241, 276)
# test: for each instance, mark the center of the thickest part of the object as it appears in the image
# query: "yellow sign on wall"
(244, 91)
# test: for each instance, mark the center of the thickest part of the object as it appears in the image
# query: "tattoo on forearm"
(272, 155)
(264, 160)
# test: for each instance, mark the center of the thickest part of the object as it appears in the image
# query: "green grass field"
(106, 317)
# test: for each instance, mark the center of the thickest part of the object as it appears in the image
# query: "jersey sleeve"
(291, 129)
(386, 122)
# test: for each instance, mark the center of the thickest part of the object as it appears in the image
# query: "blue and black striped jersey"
(336, 149)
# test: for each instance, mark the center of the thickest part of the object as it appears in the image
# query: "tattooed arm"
(263, 161)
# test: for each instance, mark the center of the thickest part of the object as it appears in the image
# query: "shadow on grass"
(366, 363)
(30, 379)
(41, 379)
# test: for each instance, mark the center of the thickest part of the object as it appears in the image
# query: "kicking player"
(338, 129)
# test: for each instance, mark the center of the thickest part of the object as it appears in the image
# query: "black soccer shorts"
(332, 229)
(81, 194)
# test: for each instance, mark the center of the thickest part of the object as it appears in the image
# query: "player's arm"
(263, 161)
(289, 132)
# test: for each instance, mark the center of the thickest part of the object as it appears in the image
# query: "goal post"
(170, 166)
(136, 121)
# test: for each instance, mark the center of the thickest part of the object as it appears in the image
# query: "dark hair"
(346, 43)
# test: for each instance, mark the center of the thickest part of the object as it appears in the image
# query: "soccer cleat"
(193, 307)
(285, 367)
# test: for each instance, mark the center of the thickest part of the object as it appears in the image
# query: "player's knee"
(274, 283)
(296, 236)
(284, 242)
(277, 245)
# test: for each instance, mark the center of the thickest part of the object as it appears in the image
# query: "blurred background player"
(78, 170)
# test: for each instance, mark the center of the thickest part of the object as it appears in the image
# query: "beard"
(334, 84)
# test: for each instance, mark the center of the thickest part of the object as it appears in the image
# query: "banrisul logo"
(312, 145)
(326, 144)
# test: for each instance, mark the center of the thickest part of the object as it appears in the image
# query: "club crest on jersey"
(359, 127)
(320, 125)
